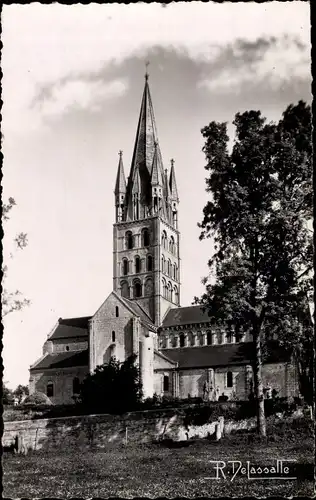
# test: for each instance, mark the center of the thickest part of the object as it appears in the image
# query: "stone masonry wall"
(62, 380)
(102, 430)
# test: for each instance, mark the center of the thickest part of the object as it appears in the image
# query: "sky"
(73, 78)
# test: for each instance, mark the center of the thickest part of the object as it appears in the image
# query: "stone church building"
(178, 351)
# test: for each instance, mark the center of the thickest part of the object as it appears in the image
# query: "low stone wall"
(101, 430)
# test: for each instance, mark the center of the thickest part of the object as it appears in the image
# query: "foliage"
(21, 392)
(7, 395)
(114, 387)
(258, 216)
(12, 301)
(37, 398)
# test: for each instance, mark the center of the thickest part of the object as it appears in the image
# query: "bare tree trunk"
(261, 419)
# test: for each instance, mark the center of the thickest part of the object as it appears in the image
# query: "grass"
(153, 470)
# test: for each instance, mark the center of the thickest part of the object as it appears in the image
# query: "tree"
(7, 395)
(261, 202)
(113, 387)
(12, 301)
(21, 392)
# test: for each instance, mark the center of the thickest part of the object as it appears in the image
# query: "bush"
(37, 398)
(114, 387)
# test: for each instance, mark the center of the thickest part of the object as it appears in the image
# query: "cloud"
(43, 44)
(273, 62)
(78, 94)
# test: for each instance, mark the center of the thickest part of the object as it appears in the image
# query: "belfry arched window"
(149, 263)
(137, 289)
(164, 288)
(209, 338)
(164, 239)
(163, 264)
(125, 267)
(169, 268)
(169, 291)
(137, 264)
(129, 240)
(171, 244)
(175, 272)
(176, 295)
(125, 289)
(145, 237)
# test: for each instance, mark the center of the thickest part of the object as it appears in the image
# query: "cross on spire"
(120, 153)
(147, 74)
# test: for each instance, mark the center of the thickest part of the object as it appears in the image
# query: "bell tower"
(146, 238)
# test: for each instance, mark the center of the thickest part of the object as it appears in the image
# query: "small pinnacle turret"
(120, 185)
(172, 183)
(120, 190)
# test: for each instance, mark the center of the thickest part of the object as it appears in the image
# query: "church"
(179, 352)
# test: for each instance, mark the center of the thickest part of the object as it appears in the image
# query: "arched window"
(229, 379)
(169, 267)
(229, 337)
(166, 383)
(149, 263)
(50, 389)
(129, 240)
(137, 289)
(171, 244)
(137, 264)
(146, 239)
(125, 267)
(175, 218)
(67, 347)
(125, 289)
(163, 264)
(181, 339)
(113, 336)
(176, 295)
(209, 338)
(164, 239)
(164, 288)
(117, 311)
(148, 287)
(76, 386)
(174, 271)
(169, 291)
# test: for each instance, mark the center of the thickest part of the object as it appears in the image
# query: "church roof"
(63, 360)
(71, 327)
(185, 316)
(139, 311)
(222, 355)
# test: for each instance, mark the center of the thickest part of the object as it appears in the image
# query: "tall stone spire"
(144, 150)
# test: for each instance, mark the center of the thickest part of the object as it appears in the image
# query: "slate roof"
(139, 311)
(185, 316)
(70, 328)
(63, 360)
(222, 355)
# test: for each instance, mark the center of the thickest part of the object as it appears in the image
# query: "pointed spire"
(146, 137)
(172, 183)
(156, 171)
(120, 185)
